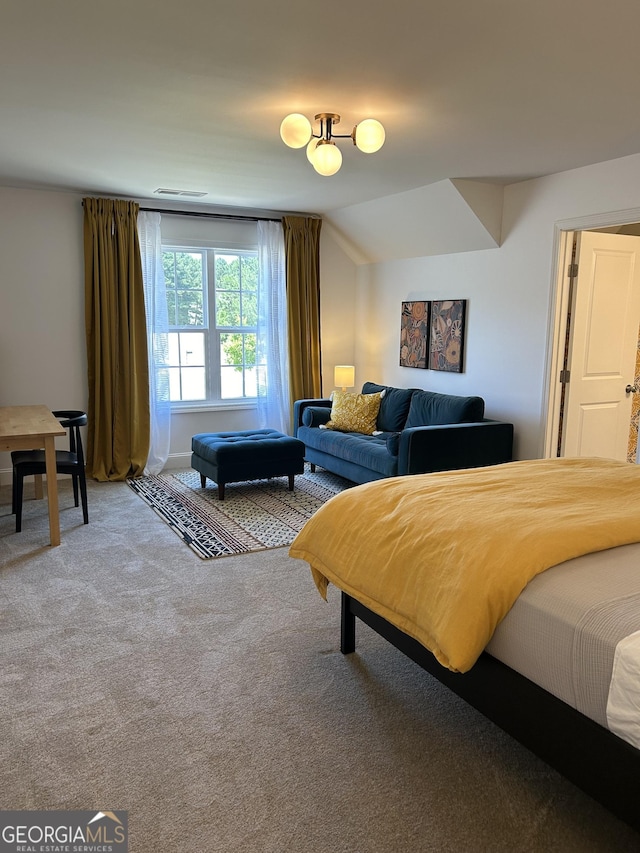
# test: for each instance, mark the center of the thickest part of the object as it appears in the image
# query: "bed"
(518, 587)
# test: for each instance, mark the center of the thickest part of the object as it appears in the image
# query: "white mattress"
(563, 631)
(623, 705)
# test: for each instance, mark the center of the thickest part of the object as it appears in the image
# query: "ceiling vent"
(188, 193)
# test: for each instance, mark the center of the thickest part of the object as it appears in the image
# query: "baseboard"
(178, 460)
(6, 476)
(174, 462)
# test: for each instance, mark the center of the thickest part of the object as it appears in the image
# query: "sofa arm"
(298, 410)
(454, 446)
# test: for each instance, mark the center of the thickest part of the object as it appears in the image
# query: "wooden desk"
(34, 428)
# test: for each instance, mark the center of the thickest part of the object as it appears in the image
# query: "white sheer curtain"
(272, 359)
(155, 300)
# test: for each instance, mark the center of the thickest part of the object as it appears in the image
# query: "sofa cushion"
(393, 442)
(394, 406)
(429, 408)
(367, 451)
(354, 412)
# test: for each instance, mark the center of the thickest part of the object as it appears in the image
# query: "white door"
(604, 339)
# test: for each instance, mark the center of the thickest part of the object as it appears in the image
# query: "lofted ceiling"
(125, 97)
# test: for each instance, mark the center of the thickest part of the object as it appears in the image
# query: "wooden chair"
(32, 462)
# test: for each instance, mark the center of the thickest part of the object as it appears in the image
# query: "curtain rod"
(212, 215)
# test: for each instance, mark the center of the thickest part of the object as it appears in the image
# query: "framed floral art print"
(414, 334)
(446, 339)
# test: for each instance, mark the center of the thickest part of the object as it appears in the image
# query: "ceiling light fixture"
(322, 152)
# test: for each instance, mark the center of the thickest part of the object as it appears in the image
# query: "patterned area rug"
(253, 516)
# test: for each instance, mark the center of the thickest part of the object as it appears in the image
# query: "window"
(212, 299)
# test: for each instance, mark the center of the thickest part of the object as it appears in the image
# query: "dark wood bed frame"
(597, 761)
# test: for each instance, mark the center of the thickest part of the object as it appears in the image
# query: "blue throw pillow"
(314, 416)
(429, 408)
(394, 406)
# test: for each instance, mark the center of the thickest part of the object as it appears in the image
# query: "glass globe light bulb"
(369, 135)
(327, 158)
(311, 148)
(295, 130)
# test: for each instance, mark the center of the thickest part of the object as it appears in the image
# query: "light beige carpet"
(216, 708)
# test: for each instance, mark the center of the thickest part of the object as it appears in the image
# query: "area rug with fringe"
(253, 516)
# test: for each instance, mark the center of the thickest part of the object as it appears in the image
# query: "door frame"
(564, 231)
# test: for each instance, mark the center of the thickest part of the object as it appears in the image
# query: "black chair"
(32, 462)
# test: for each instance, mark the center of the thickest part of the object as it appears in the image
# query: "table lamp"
(344, 375)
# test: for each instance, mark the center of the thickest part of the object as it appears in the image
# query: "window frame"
(212, 333)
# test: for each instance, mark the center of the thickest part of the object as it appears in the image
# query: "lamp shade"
(344, 375)
(327, 158)
(369, 135)
(295, 130)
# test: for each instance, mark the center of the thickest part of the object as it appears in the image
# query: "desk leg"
(52, 489)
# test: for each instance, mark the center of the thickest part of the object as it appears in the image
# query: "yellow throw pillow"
(354, 412)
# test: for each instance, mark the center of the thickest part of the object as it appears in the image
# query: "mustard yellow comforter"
(444, 556)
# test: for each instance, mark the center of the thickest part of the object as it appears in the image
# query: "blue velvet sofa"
(419, 432)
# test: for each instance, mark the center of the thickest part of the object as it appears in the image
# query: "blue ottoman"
(230, 457)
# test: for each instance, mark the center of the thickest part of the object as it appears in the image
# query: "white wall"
(41, 299)
(42, 336)
(509, 292)
(42, 349)
(338, 286)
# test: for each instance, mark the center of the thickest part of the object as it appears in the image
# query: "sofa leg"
(292, 478)
(203, 481)
(220, 491)
(312, 467)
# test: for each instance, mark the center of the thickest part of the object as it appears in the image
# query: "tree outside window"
(212, 304)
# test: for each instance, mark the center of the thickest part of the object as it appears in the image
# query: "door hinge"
(565, 376)
(572, 270)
